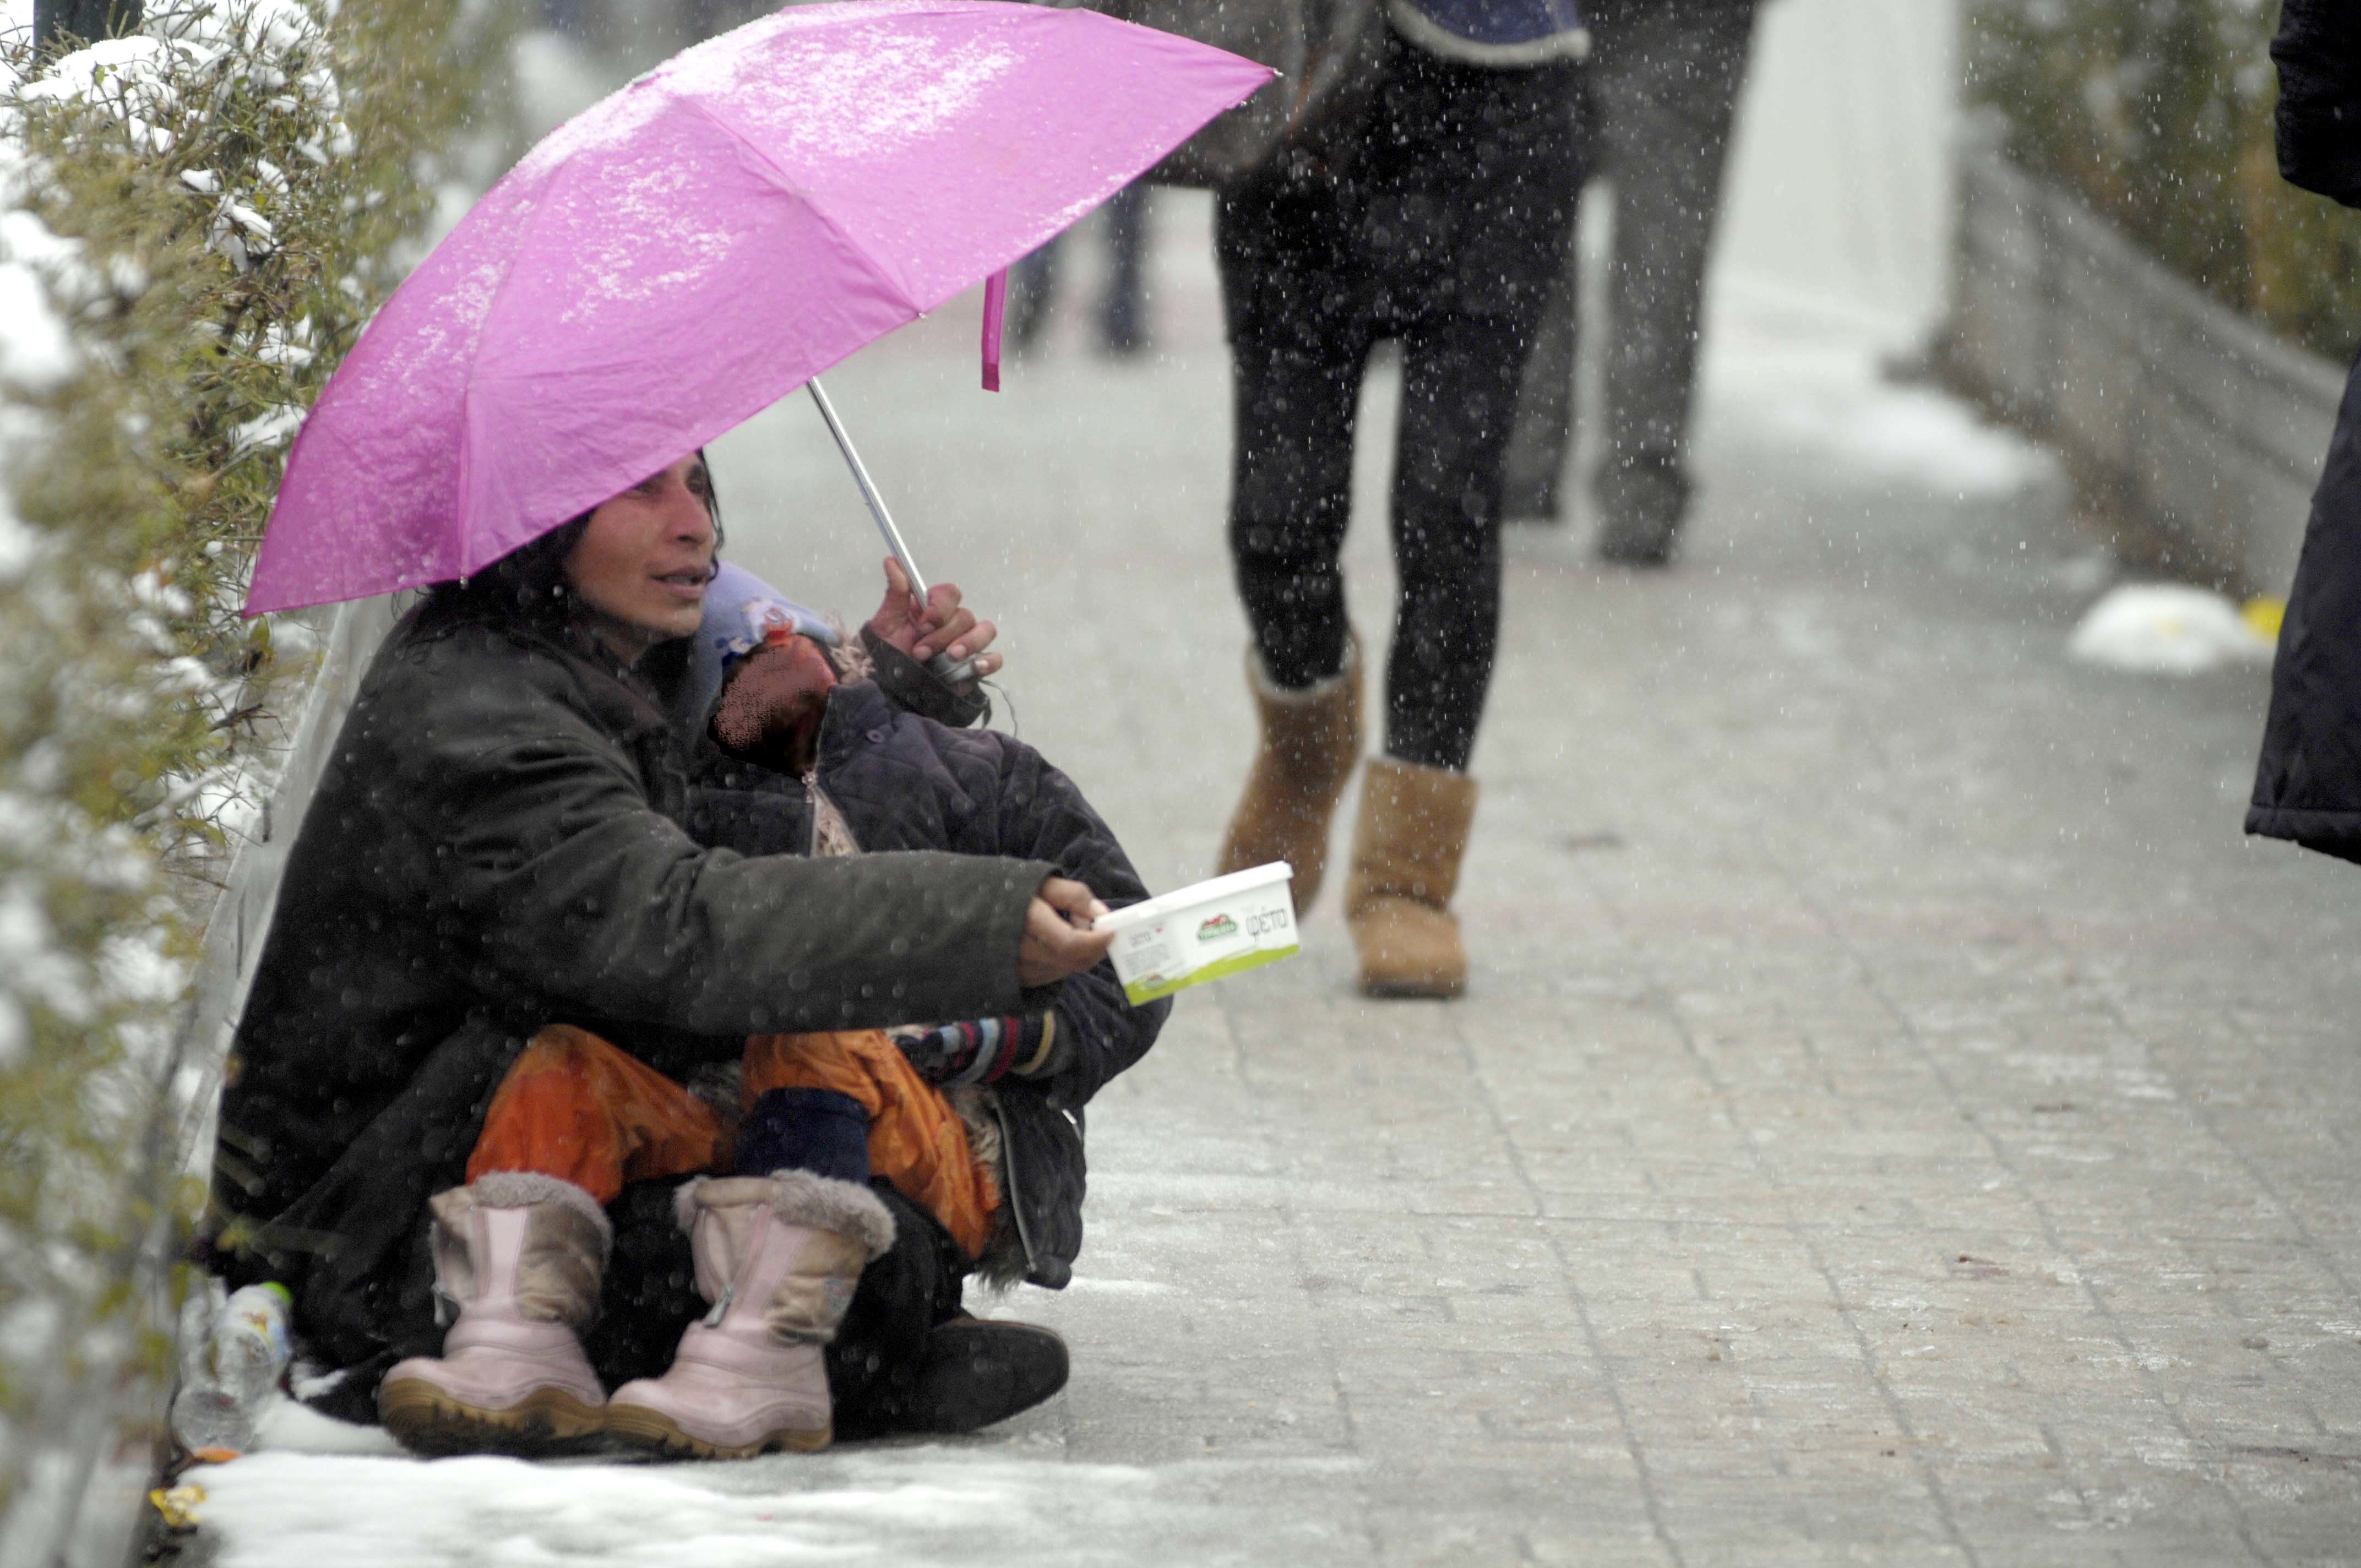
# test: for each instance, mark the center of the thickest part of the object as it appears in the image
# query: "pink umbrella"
(685, 253)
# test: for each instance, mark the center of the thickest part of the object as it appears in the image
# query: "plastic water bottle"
(230, 1363)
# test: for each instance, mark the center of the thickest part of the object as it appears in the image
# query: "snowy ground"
(1895, 1117)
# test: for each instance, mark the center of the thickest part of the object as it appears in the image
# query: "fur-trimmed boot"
(521, 1254)
(778, 1256)
(1311, 739)
(1406, 854)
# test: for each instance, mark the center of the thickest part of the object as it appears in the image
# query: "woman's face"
(643, 562)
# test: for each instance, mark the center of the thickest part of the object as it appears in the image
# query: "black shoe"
(1631, 543)
(1123, 325)
(1529, 502)
(979, 1371)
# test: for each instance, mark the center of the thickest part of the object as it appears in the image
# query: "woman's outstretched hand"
(939, 626)
(1056, 943)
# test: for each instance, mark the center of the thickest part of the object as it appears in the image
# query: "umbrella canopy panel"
(696, 246)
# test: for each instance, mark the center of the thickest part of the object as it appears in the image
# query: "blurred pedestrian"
(1665, 81)
(2308, 783)
(1441, 223)
(1123, 308)
(570, 18)
(709, 19)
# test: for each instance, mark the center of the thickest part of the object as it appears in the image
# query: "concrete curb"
(2175, 411)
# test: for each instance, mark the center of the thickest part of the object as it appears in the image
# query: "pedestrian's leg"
(1298, 346)
(1297, 362)
(1540, 444)
(1123, 318)
(1032, 289)
(1459, 388)
(1667, 90)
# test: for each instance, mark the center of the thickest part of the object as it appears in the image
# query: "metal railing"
(2164, 400)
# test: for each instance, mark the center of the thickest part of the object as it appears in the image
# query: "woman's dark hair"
(529, 582)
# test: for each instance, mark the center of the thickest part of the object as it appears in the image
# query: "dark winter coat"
(2307, 784)
(2318, 51)
(500, 842)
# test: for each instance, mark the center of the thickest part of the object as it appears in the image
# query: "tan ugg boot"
(1311, 739)
(1406, 854)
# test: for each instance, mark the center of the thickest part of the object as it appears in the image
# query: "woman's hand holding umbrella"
(938, 625)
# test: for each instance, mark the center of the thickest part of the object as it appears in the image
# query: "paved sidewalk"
(1895, 1117)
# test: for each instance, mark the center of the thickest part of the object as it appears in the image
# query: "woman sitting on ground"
(544, 951)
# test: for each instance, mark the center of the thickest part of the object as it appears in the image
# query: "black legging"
(1446, 234)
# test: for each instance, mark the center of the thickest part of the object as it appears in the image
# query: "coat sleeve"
(1043, 816)
(2318, 51)
(569, 886)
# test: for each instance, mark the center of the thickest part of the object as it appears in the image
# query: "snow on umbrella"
(687, 252)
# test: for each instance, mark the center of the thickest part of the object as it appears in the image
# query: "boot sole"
(1412, 990)
(643, 1428)
(426, 1420)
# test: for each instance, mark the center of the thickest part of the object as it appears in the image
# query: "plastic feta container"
(1203, 932)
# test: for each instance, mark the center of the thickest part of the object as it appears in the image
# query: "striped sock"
(978, 1050)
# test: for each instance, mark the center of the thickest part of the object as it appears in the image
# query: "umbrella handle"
(959, 672)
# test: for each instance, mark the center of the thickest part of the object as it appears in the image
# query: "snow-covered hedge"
(2159, 112)
(195, 221)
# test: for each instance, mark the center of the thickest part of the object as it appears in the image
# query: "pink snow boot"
(778, 1256)
(521, 1254)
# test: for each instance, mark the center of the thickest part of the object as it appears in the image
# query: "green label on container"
(1148, 987)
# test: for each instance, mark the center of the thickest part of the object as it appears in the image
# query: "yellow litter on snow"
(178, 1505)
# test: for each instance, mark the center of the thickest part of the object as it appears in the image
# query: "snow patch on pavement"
(285, 1425)
(907, 1507)
(1089, 1286)
(2167, 629)
(1818, 388)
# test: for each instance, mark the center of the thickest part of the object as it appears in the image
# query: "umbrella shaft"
(868, 490)
(953, 672)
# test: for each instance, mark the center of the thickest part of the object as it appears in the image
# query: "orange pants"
(574, 1107)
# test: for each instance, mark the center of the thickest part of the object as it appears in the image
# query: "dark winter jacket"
(500, 842)
(906, 782)
(2308, 783)
(2319, 55)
